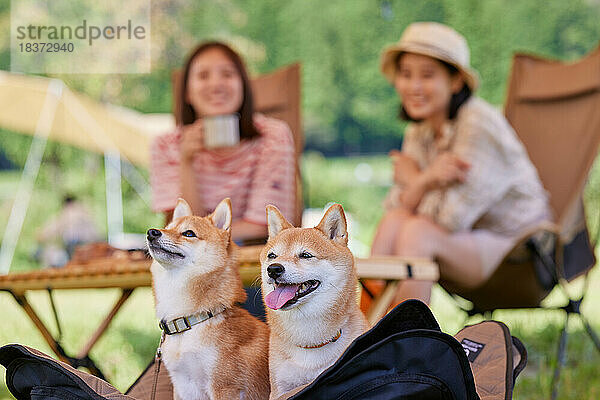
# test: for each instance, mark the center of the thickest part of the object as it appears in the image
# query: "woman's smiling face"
(214, 85)
(425, 86)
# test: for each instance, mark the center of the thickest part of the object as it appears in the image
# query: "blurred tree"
(348, 107)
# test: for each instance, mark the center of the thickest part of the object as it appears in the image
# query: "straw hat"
(434, 40)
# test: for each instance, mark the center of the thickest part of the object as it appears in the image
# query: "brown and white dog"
(213, 348)
(310, 286)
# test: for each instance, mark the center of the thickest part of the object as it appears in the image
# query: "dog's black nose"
(153, 234)
(275, 270)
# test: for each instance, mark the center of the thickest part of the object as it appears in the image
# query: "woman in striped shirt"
(259, 170)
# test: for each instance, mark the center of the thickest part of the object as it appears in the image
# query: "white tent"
(46, 109)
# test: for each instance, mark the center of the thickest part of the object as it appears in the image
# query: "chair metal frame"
(546, 270)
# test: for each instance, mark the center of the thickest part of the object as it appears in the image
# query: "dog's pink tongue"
(281, 295)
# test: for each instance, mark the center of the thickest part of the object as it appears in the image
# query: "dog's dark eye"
(271, 255)
(189, 233)
(305, 254)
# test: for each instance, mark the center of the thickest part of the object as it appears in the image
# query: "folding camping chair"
(277, 95)
(553, 107)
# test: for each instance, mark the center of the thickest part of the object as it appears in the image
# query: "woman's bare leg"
(457, 254)
(383, 245)
(388, 230)
(412, 289)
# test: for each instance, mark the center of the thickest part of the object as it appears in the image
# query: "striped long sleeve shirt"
(255, 173)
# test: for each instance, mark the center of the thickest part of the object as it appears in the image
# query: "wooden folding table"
(127, 275)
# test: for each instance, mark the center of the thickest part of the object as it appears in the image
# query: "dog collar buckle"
(182, 324)
(176, 325)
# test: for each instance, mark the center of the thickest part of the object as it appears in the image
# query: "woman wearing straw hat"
(464, 187)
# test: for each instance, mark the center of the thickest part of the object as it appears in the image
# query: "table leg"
(125, 293)
(82, 359)
(382, 302)
(53, 343)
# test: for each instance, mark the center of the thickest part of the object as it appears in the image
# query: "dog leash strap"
(157, 361)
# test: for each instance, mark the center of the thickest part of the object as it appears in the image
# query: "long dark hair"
(456, 101)
(186, 111)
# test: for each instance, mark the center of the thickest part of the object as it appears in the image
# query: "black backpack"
(405, 356)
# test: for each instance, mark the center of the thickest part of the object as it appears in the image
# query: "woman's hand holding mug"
(192, 140)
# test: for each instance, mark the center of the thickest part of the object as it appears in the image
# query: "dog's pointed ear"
(221, 217)
(333, 224)
(182, 209)
(276, 222)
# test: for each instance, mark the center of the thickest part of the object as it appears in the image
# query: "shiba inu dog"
(213, 349)
(309, 285)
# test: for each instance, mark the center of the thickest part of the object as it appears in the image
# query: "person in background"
(73, 226)
(257, 171)
(464, 187)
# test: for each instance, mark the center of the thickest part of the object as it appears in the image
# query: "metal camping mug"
(221, 130)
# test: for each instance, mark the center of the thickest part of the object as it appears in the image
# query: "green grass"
(129, 343)
(122, 353)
